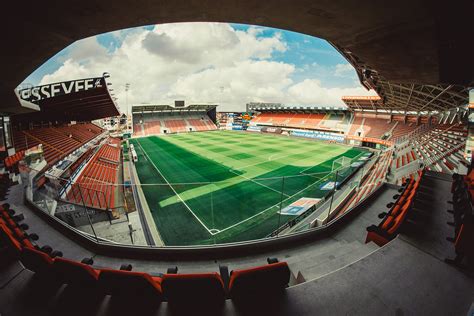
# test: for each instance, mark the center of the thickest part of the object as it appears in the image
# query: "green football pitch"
(224, 186)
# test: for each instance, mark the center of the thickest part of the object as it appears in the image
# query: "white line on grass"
(179, 197)
(268, 159)
(268, 208)
(263, 185)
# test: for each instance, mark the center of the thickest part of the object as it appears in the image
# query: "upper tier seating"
(377, 127)
(337, 122)
(57, 142)
(357, 127)
(301, 120)
(442, 147)
(402, 129)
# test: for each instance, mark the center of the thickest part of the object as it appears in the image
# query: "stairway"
(330, 256)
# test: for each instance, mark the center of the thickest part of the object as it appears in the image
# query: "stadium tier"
(157, 120)
(402, 129)
(95, 185)
(58, 141)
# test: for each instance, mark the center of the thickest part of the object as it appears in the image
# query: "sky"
(219, 63)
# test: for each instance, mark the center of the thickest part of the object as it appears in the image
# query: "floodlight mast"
(127, 87)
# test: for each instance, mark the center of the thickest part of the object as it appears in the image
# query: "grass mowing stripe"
(179, 197)
(263, 185)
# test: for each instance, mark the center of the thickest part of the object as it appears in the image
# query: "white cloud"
(343, 70)
(308, 90)
(197, 62)
(87, 49)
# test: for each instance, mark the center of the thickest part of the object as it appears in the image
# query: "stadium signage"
(370, 140)
(39, 93)
(274, 130)
(319, 135)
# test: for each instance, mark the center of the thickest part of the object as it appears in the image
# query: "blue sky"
(300, 69)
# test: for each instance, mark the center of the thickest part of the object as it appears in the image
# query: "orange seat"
(75, 273)
(36, 260)
(126, 284)
(203, 288)
(262, 280)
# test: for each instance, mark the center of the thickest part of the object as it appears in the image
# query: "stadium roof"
(406, 97)
(142, 108)
(363, 102)
(403, 42)
(256, 106)
(77, 100)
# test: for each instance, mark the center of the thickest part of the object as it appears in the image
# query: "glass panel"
(222, 207)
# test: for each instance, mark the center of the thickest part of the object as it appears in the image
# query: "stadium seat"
(36, 261)
(399, 212)
(261, 281)
(75, 273)
(130, 285)
(10, 245)
(206, 289)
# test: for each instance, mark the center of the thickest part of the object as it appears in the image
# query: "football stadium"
(123, 191)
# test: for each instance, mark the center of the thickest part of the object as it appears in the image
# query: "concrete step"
(330, 262)
(321, 251)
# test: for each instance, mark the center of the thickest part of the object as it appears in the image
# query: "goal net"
(342, 166)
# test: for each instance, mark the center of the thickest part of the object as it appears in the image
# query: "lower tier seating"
(152, 124)
(95, 186)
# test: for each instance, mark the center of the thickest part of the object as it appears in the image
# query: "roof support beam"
(436, 97)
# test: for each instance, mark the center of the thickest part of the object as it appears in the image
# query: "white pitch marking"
(179, 197)
(263, 185)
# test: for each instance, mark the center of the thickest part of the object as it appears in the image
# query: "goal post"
(342, 166)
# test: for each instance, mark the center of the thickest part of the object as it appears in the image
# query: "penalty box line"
(254, 181)
(179, 197)
(268, 208)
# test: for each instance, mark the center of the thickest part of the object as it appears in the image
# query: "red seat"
(8, 240)
(75, 273)
(36, 261)
(127, 284)
(205, 288)
(254, 282)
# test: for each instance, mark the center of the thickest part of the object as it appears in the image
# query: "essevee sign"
(38, 93)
